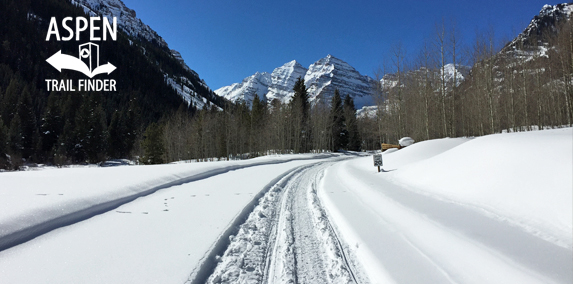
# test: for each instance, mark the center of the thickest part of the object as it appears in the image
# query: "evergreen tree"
(337, 127)
(132, 124)
(29, 128)
(51, 126)
(3, 146)
(354, 141)
(96, 140)
(10, 101)
(300, 114)
(258, 113)
(122, 133)
(153, 145)
(91, 131)
(69, 146)
(116, 147)
(15, 138)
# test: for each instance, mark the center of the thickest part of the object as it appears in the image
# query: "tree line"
(243, 131)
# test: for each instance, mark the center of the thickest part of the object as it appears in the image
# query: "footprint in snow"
(123, 212)
(193, 195)
(206, 194)
(145, 213)
(166, 210)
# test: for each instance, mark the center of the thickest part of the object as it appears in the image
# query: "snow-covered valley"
(492, 209)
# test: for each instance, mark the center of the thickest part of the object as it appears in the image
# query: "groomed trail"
(288, 238)
(342, 222)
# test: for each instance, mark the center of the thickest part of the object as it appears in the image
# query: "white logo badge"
(87, 62)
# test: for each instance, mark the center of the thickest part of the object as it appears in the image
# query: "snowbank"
(394, 158)
(493, 209)
(523, 178)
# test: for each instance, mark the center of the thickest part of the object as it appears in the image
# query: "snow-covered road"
(443, 211)
(288, 238)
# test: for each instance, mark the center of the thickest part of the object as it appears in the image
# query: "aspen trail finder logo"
(87, 61)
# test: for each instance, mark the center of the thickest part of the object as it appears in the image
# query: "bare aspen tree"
(490, 80)
(440, 42)
(383, 85)
(454, 46)
(510, 82)
(426, 89)
(398, 58)
(565, 49)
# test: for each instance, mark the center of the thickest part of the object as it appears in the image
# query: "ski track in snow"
(287, 238)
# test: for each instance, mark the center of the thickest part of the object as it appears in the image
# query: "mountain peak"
(292, 64)
(321, 79)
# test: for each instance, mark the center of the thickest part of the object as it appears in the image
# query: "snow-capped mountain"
(246, 90)
(321, 79)
(330, 73)
(189, 86)
(283, 79)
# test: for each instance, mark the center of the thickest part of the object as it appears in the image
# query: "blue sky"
(228, 40)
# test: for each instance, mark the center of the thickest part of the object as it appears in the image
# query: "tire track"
(287, 238)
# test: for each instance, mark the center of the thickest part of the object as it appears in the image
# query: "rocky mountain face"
(187, 84)
(321, 79)
(541, 27)
(283, 79)
(330, 73)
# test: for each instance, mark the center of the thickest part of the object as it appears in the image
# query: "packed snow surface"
(492, 209)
